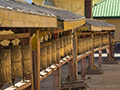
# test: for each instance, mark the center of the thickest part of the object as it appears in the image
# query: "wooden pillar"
(92, 69)
(37, 64)
(83, 68)
(90, 62)
(71, 70)
(57, 72)
(100, 59)
(110, 59)
(75, 52)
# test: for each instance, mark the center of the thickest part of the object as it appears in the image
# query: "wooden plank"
(59, 65)
(31, 75)
(13, 36)
(75, 52)
(71, 70)
(37, 65)
(100, 59)
(56, 79)
(83, 68)
(57, 72)
(68, 85)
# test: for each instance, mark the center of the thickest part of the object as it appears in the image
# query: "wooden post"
(56, 73)
(75, 52)
(37, 64)
(83, 68)
(71, 70)
(31, 75)
(100, 59)
(90, 62)
(92, 69)
(110, 59)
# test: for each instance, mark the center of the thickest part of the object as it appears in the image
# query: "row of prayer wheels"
(53, 50)
(15, 63)
(85, 44)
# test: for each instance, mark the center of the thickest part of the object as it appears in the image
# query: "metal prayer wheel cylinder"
(100, 40)
(62, 47)
(5, 66)
(54, 51)
(49, 53)
(77, 45)
(58, 49)
(43, 56)
(90, 44)
(71, 43)
(68, 44)
(84, 45)
(81, 43)
(65, 45)
(87, 42)
(97, 41)
(26, 59)
(16, 61)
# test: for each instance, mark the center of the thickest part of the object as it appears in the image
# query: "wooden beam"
(59, 65)
(23, 86)
(75, 52)
(100, 59)
(71, 70)
(83, 68)
(77, 84)
(37, 65)
(13, 36)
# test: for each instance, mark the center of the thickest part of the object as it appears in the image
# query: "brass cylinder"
(26, 59)
(71, 43)
(62, 47)
(81, 45)
(43, 56)
(58, 56)
(90, 46)
(16, 61)
(84, 45)
(49, 53)
(54, 51)
(5, 66)
(100, 40)
(68, 44)
(65, 45)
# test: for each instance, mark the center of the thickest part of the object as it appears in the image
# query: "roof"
(40, 9)
(106, 8)
(97, 25)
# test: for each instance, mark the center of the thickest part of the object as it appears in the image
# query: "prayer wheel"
(65, 45)
(54, 51)
(5, 67)
(58, 56)
(100, 40)
(16, 62)
(49, 53)
(43, 56)
(26, 59)
(62, 47)
(84, 45)
(71, 43)
(87, 42)
(68, 44)
(90, 46)
(80, 45)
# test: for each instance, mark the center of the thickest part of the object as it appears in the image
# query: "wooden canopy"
(97, 25)
(19, 14)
